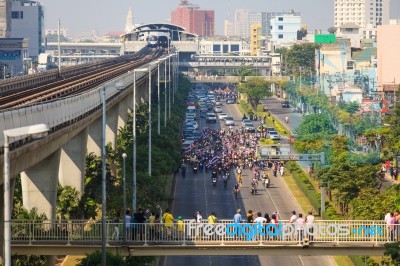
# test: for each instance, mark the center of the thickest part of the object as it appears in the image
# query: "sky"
(81, 16)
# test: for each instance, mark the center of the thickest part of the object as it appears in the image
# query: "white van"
(191, 110)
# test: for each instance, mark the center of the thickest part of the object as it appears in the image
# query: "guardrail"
(224, 232)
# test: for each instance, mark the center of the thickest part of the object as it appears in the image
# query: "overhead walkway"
(79, 237)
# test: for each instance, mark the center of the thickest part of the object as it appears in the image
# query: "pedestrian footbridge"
(78, 237)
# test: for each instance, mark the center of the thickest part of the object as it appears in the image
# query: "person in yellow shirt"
(212, 219)
(168, 220)
(151, 220)
(180, 228)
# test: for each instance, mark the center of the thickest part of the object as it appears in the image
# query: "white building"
(229, 28)
(27, 22)
(63, 32)
(284, 28)
(367, 14)
(220, 47)
(352, 32)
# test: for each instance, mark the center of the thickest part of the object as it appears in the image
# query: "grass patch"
(301, 198)
(343, 261)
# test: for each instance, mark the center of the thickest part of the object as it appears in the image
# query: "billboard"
(325, 38)
(10, 55)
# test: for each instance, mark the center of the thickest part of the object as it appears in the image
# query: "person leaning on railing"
(168, 221)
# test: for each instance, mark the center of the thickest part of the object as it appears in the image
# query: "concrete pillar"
(1, 224)
(94, 137)
(12, 188)
(39, 186)
(112, 116)
(123, 108)
(72, 162)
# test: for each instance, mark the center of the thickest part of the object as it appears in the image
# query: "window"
(280, 27)
(280, 18)
(14, 14)
(280, 36)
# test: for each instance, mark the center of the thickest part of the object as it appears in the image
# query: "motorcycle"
(254, 190)
(195, 169)
(183, 171)
(228, 175)
(225, 183)
(214, 181)
(267, 181)
(236, 192)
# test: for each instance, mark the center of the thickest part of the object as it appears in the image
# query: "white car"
(194, 124)
(217, 109)
(274, 135)
(229, 121)
(218, 103)
(221, 116)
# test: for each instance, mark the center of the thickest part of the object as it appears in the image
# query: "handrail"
(188, 231)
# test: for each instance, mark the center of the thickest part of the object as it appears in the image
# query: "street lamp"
(35, 131)
(150, 87)
(124, 195)
(134, 137)
(165, 92)
(158, 96)
(103, 173)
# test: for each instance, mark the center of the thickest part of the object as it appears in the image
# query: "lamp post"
(124, 195)
(150, 87)
(134, 137)
(35, 131)
(169, 86)
(103, 178)
(158, 97)
(165, 93)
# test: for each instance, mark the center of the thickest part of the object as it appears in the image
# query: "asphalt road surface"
(196, 193)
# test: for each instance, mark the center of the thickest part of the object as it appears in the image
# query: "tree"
(67, 203)
(393, 250)
(299, 56)
(255, 88)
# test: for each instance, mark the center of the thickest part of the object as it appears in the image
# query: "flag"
(158, 206)
(148, 211)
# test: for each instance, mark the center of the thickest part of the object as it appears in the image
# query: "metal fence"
(188, 232)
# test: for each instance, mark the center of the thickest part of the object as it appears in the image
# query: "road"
(196, 193)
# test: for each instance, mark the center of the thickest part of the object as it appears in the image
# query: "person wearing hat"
(180, 228)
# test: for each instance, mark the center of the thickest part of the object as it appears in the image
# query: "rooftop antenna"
(229, 10)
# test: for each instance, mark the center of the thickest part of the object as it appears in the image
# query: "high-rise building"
(242, 26)
(244, 18)
(5, 24)
(27, 22)
(367, 14)
(194, 20)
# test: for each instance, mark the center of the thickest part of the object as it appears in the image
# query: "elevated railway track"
(71, 81)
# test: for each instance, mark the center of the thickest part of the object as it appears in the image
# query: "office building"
(27, 22)
(194, 20)
(367, 14)
(229, 28)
